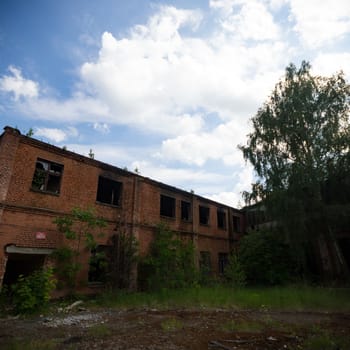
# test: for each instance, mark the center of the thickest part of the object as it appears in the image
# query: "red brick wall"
(24, 211)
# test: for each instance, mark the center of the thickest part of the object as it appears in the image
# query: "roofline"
(106, 166)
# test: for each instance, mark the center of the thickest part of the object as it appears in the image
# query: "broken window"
(205, 263)
(98, 264)
(203, 215)
(236, 224)
(47, 176)
(185, 211)
(223, 261)
(109, 191)
(221, 217)
(167, 206)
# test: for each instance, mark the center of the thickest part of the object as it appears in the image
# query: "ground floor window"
(98, 264)
(205, 263)
(223, 261)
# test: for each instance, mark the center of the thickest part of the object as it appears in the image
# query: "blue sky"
(167, 87)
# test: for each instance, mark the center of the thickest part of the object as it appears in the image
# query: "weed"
(99, 331)
(171, 324)
(243, 326)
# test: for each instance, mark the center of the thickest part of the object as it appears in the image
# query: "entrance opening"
(22, 264)
(344, 245)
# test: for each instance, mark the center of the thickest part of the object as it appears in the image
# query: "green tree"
(265, 258)
(169, 264)
(121, 257)
(300, 137)
(79, 228)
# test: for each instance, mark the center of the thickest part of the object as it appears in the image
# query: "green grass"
(325, 341)
(293, 298)
(99, 331)
(171, 324)
(243, 326)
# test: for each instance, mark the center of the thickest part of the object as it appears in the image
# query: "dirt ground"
(172, 329)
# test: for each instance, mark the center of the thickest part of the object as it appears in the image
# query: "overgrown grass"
(171, 324)
(293, 298)
(99, 331)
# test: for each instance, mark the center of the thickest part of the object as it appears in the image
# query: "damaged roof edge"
(81, 158)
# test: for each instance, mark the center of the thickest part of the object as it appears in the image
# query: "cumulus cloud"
(253, 20)
(192, 81)
(102, 128)
(18, 85)
(320, 22)
(56, 135)
(329, 63)
(220, 144)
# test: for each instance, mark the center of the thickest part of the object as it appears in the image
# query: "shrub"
(265, 258)
(234, 273)
(169, 264)
(32, 293)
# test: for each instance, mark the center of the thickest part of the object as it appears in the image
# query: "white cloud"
(19, 86)
(253, 21)
(102, 128)
(79, 108)
(321, 22)
(56, 135)
(329, 63)
(241, 181)
(220, 144)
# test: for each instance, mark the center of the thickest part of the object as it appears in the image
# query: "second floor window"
(185, 211)
(109, 191)
(203, 215)
(47, 176)
(236, 224)
(221, 217)
(167, 206)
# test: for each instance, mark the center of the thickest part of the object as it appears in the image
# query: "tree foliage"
(299, 148)
(266, 259)
(78, 227)
(121, 257)
(169, 264)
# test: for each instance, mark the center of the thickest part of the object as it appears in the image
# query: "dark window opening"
(22, 264)
(167, 206)
(223, 261)
(98, 264)
(221, 216)
(236, 224)
(47, 176)
(109, 191)
(203, 215)
(205, 263)
(185, 211)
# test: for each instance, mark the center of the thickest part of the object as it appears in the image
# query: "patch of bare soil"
(172, 329)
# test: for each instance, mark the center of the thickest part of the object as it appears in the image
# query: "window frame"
(187, 209)
(42, 178)
(104, 181)
(219, 212)
(236, 224)
(164, 207)
(201, 208)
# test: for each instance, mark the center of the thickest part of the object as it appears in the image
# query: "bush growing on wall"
(78, 227)
(265, 258)
(121, 257)
(169, 264)
(32, 293)
(234, 273)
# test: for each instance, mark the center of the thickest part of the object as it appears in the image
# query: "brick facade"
(27, 209)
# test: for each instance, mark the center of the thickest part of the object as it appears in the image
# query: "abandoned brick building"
(27, 209)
